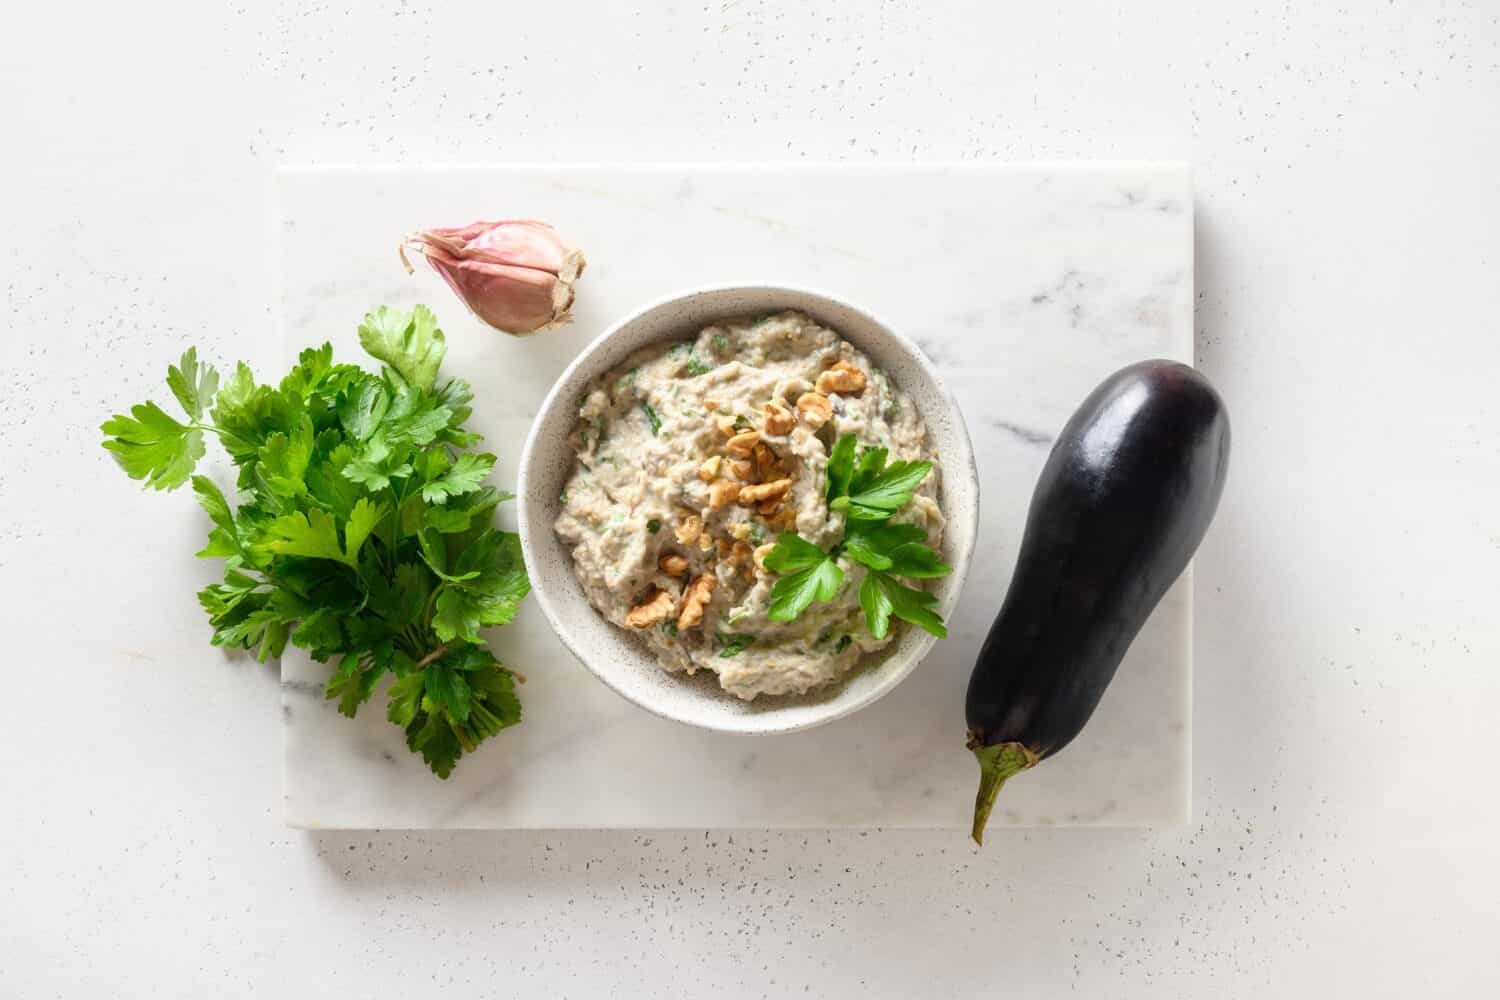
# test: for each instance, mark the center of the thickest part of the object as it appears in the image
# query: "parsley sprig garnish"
(361, 530)
(869, 492)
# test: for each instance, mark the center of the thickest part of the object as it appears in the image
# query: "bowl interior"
(618, 658)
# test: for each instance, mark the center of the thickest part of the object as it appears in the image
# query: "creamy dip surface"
(691, 457)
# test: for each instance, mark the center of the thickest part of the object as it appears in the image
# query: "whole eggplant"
(1123, 501)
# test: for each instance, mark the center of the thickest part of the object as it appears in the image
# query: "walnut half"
(694, 600)
(765, 491)
(843, 378)
(741, 445)
(721, 492)
(651, 611)
(688, 529)
(814, 408)
(779, 420)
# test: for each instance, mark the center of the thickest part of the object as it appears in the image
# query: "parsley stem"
(195, 425)
(434, 655)
(431, 600)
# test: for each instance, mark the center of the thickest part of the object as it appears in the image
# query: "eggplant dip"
(692, 457)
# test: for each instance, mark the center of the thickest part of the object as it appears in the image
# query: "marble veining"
(1024, 285)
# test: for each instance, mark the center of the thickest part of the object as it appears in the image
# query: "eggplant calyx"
(997, 763)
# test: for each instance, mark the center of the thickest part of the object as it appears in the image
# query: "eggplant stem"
(997, 763)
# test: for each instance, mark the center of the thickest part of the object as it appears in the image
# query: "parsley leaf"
(410, 342)
(810, 574)
(194, 388)
(486, 589)
(872, 542)
(363, 408)
(435, 740)
(245, 413)
(352, 683)
(363, 519)
(876, 490)
(792, 553)
(881, 597)
(211, 499)
(651, 417)
(377, 465)
(917, 562)
(283, 459)
(465, 476)
(733, 645)
(897, 548)
(414, 417)
(223, 540)
(152, 446)
(327, 483)
(840, 467)
(311, 534)
(316, 374)
(405, 699)
(459, 515)
(448, 690)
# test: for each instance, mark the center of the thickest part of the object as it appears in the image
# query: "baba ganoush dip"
(691, 457)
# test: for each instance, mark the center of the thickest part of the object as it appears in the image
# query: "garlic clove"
(515, 275)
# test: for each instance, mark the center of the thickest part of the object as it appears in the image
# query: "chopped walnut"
(725, 547)
(786, 520)
(815, 409)
(765, 491)
(740, 530)
(709, 470)
(710, 405)
(741, 553)
(673, 564)
(688, 529)
(768, 507)
(725, 426)
(760, 553)
(768, 465)
(763, 462)
(842, 377)
(694, 600)
(721, 493)
(779, 419)
(743, 444)
(657, 608)
(705, 542)
(743, 469)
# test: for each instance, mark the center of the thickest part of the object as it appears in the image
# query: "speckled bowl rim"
(905, 655)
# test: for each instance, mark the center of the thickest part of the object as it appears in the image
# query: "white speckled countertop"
(1347, 658)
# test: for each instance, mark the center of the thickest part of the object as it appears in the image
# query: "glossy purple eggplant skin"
(1123, 501)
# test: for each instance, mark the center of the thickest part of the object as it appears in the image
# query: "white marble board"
(1024, 284)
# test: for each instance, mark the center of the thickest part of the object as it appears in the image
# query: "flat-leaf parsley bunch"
(361, 532)
(869, 492)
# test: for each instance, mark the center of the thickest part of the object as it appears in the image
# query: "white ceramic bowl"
(618, 658)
